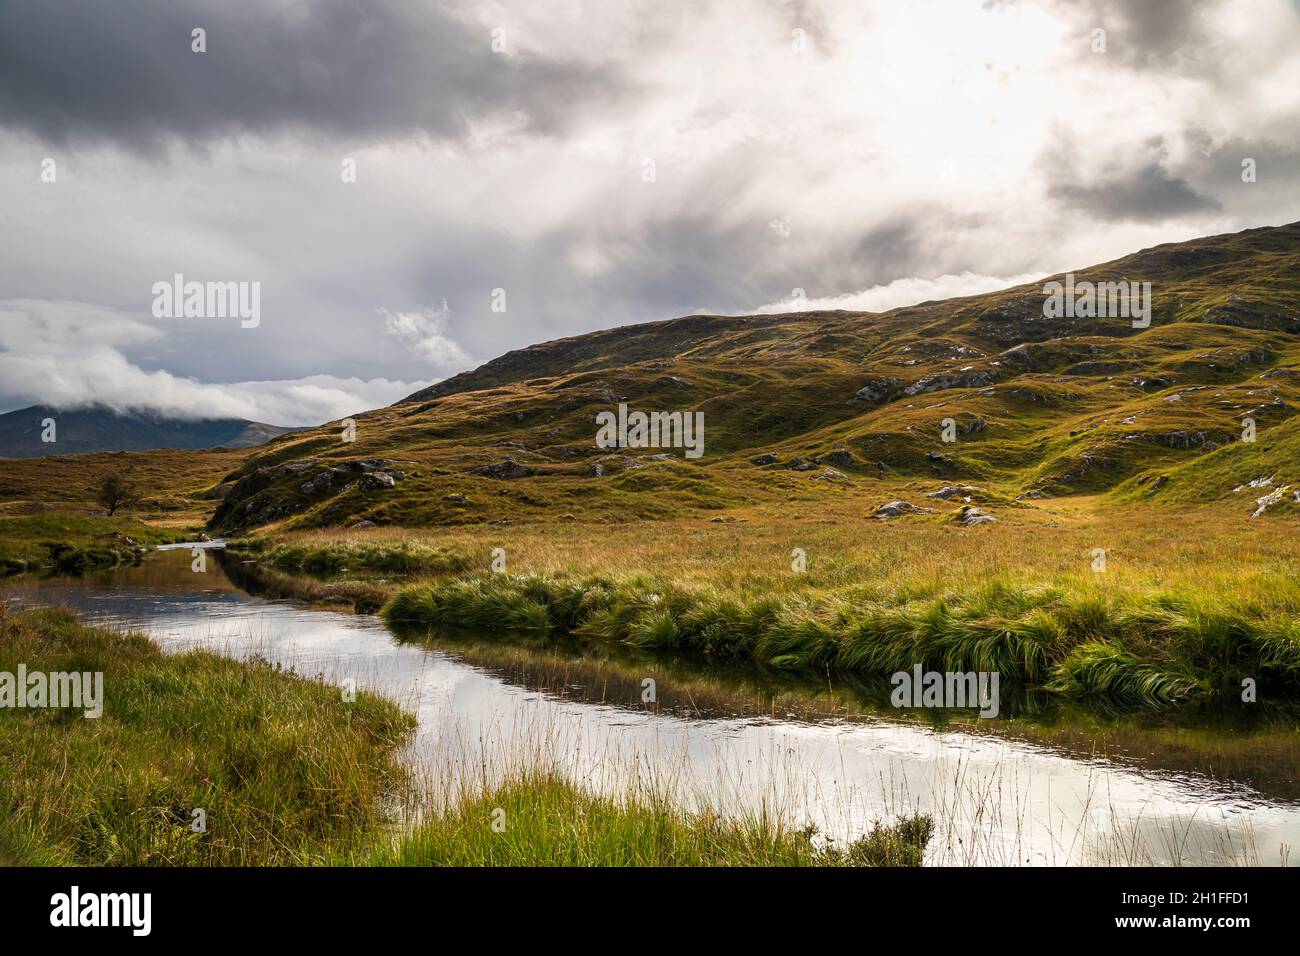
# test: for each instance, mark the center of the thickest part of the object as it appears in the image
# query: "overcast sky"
(609, 162)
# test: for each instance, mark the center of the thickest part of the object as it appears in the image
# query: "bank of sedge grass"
(1127, 648)
(543, 819)
(284, 770)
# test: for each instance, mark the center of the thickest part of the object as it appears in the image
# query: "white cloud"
(972, 142)
(901, 292)
(68, 354)
(426, 332)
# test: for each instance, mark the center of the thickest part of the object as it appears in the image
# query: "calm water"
(1015, 791)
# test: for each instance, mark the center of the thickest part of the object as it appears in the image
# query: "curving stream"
(1016, 790)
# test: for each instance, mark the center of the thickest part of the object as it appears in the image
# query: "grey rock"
(506, 469)
(942, 381)
(876, 390)
(951, 492)
(830, 474)
(376, 480)
(969, 516)
(896, 509)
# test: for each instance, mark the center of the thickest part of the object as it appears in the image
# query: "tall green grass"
(541, 819)
(1148, 650)
(285, 770)
(343, 557)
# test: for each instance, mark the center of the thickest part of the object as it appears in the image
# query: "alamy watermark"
(1126, 300)
(75, 908)
(179, 299)
(626, 429)
(947, 689)
(76, 689)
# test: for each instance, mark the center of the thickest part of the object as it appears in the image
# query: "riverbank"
(199, 759)
(73, 542)
(1113, 650)
(196, 760)
(542, 819)
(1113, 608)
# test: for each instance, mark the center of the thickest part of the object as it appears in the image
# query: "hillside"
(804, 405)
(80, 431)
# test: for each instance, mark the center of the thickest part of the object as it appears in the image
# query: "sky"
(417, 187)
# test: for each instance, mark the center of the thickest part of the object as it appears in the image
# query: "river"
(1019, 790)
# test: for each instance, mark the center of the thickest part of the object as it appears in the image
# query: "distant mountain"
(98, 428)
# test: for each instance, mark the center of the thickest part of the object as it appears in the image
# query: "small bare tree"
(114, 491)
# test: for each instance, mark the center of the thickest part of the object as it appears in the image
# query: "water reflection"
(1051, 790)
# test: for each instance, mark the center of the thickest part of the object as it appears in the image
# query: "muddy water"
(1045, 790)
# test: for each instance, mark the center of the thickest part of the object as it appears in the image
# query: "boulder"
(876, 390)
(968, 516)
(376, 480)
(505, 470)
(830, 474)
(896, 509)
(951, 492)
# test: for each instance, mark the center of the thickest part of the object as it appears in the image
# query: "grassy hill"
(1085, 507)
(842, 403)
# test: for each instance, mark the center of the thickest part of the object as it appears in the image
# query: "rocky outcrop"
(369, 474)
(280, 491)
(876, 390)
(942, 381)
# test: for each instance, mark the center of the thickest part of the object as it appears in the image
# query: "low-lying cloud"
(901, 292)
(69, 354)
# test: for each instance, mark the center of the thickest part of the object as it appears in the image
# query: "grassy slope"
(175, 486)
(1074, 405)
(285, 770)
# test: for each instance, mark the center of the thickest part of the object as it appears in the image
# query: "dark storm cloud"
(124, 71)
(1146, 194)
(1136, 187)
(1149, 34)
